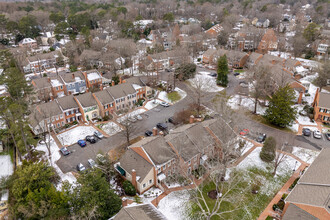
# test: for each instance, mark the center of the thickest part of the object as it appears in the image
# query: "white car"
(138, 117)
(131, 119)
(91, 163)
(165, 104)
(81, 167)
(317, 134)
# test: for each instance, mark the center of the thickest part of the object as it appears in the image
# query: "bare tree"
(323, 78)
(281, 155)
(129, 128)
(200, 85)
(298, 44)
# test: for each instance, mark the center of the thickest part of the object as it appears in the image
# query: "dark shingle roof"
(140, 212)
(70, 77)
(294, 212)
(86, 100)
(104, 97)
(67, 102)
(41, 83)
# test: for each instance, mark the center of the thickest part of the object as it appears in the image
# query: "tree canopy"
(222, 71)
(268, 151)
(281, 111)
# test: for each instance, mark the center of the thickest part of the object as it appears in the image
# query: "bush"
(186, 71)
(294, 183)
(268, 151)
(74, 122)
(129, 188)
(116, 79)
(199, 59)
(281, 204)
(66, 125)
(275, 206)
(106, 118)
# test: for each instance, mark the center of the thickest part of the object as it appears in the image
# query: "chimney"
(279, 55)
(120, 80)
(134, 178)
(48, 79)
(124, 202)
(72, 75)
(154, 131)
(191, 119)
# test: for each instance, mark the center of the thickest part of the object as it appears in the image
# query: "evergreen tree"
(222, 71)
(268, 151)
(33, 194)
(281, 111)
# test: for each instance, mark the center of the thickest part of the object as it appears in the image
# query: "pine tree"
(268, 151)
(222, 71)
(281, 111)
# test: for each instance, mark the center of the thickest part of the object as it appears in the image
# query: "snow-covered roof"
(144, 41)
(28, 41)
(301, 69)
(143, 22)
(56, 83)
(1, 71)
(93, 76)
(136, 87)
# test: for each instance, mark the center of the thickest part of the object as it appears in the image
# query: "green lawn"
(254, 204)
(174, 96)
(262, 120)
(239, 71)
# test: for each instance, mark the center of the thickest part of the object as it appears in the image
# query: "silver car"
(91, 163)
(138, 117)
(81, 167)
(317, 134)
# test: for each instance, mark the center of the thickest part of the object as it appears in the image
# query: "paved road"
(81, 155)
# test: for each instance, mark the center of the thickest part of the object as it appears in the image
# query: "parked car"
(101, 159)
(138, 117)
(327, 136)
(65, 151)
(91, 163)
(131, 119)
(91, 139)
(148, 133)
(171, 120)
(244, 132)
(306, 132)
(261, 138)
(236, 73)
(213, 74)
(317, 134)
(98, 134)
(82, 143)
(164, 104)
(162, 126)
(81, 167)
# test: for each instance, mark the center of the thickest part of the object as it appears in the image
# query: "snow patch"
(74, 135)
(306, 155)
(110, 128)
(7, 167)
(205, 82)
(173, 206)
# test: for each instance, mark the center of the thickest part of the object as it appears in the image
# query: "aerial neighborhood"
(131, 110)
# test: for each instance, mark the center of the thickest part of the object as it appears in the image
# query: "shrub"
(186, 71)
(199, 59)
(129, 188)
(275, 206)
(281, 204)
(106, 118)
(66, 125)
(268, 151)
(74, 122)
(294, 183)
(116, 79)
(284, 196)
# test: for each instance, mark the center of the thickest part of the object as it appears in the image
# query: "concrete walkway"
(269, 209)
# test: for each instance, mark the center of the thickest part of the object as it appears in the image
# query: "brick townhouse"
(74, 82)
(40, 62)
(150, 161)
(124, 94)
(87, 106)
(105, 102)
(321, 106)
(43, 89)
(70, 108)
(269, 42)
(93, 80)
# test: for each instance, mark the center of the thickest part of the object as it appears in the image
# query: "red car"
(244, 132)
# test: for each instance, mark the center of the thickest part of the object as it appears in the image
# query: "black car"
(91, 139)
(261, 138)
(236, 73)
(148, 133)
(327, 135)
(213, 74)
(306, 132)
(65, 151)
(162, 126)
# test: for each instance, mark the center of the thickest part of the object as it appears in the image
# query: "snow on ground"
(72, 136)
(205, 82)
(304, 120)
(282, 54)
(172, 185)
(253, 160)
(311, 128)
(174, 205)
(131, 114)
(110, 128)
(309, 63)
(290, 34)
(294, 127)
(150, 194)
(152, 104)
(55, 156)
(163, 95)
(306, 155)
(242, 101)
(7, 167)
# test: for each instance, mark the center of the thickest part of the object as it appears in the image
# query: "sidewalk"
(269, 209)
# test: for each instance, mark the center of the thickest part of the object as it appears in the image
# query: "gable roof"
(135, 80)
(139, 212)
(254, 57)
(49, 109)
(104, 97)
(324, 100)
(294, 212)
(121, 90)
(41, 83)
(73, 77)
(132, 160)
(67, 102)
(86, 99)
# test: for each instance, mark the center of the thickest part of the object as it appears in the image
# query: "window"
(61, 87)
(164, 167)
(62, 123)
(61, 116)
(53, 119)
(56, 88)
(189, 162)
(159, 170)
(144, 185)
(150, 181)
(58, 125)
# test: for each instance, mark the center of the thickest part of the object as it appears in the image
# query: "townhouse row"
(150, 161)
(88, 106)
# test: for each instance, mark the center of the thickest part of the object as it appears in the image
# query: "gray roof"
(70, 77)
(67, 102)
(121, 90)
(184, 146)
(254, 56)
(135, 80)
(220, 129)
(158, 150)
(294, 212)
(41, 83)
(132, 160)
(199, 136)
(313, 187)
(86, 100)
(140, 212)
(290, 62)
(104, 97)
(42, 56)
(324, 100)
(267, 59)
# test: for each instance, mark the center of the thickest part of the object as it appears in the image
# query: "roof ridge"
(143, 155)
